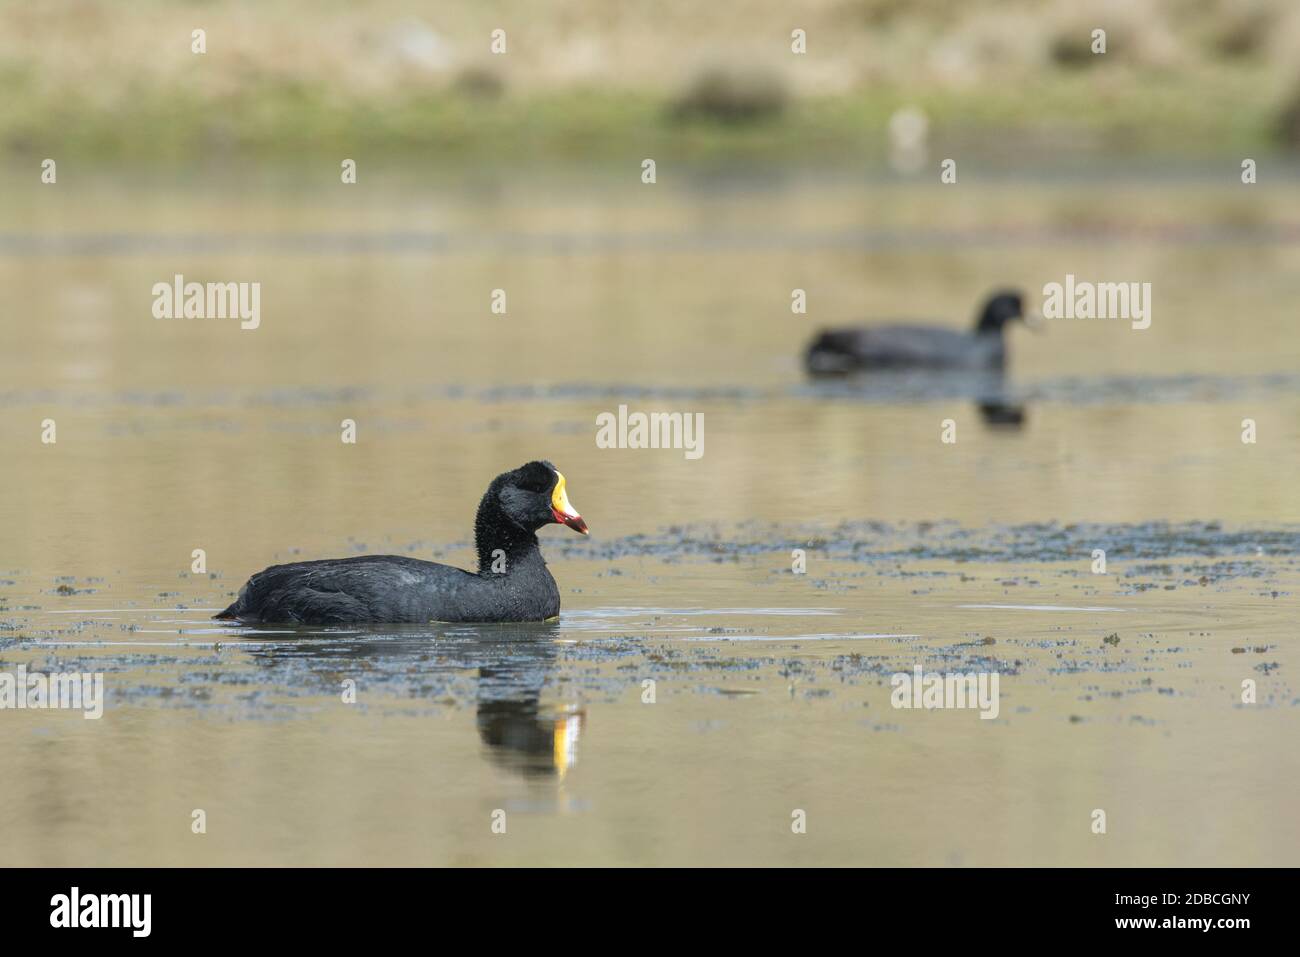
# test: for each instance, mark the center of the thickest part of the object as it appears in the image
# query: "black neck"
(494, 530)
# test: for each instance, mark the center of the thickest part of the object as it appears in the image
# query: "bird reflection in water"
(998, 404)
(1002, 414)
(519, 732)
(511, 662)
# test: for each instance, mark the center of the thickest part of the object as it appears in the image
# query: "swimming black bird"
(512, 583)
(903, 347)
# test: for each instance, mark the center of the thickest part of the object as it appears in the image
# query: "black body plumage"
(904, 347)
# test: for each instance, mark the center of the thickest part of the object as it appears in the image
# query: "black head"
(1000, 309)
(518, 503)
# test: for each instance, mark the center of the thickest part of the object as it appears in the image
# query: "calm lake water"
(771, 690)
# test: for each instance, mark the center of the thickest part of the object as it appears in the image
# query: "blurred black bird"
(512, 582)
(905, 346)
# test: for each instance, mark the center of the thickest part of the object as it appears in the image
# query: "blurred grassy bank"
(596, 78)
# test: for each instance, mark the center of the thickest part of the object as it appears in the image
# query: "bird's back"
(900, 346)
(390, 588)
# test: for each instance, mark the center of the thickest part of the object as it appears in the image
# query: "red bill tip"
(574, 522)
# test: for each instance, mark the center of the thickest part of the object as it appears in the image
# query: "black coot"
(512, 582)
(906, 346)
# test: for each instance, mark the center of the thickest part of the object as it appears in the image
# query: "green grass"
(1133, 113)
(90, 78)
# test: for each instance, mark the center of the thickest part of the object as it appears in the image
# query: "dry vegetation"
(581, 75)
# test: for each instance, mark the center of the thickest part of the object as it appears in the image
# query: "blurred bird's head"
(1001, 308)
